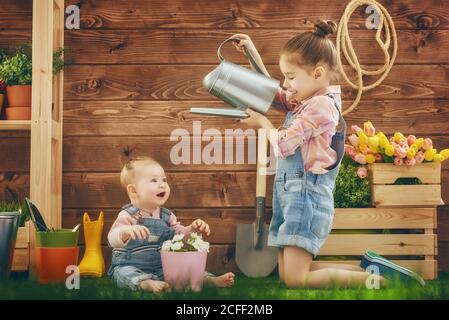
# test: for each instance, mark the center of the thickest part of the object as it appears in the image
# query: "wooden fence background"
(138, 67)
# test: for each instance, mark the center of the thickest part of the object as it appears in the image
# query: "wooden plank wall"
(138, 67)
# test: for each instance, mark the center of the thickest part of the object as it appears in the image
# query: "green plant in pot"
(55, 249)
(16, 71)
(49, 237)
(11, 217)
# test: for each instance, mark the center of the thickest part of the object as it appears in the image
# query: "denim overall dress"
(141, 259)
(303, 202)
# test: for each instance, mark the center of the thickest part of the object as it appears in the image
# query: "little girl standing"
(303, 202)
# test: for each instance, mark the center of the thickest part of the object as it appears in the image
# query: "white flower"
(203, 246)
(194, 235)
(196, 245)
(177, 245)
(178, 237)
(166, 245)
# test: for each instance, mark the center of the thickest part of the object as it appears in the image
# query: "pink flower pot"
(184, 269)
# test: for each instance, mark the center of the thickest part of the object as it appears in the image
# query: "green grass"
(245, 288)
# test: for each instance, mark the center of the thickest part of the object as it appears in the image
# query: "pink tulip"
(410, 162)
(378, 157)
(369, 130)
(350, 150)
(400, 152)
(419, 157)
(398, 161)
(411, 139)
(427, 144)
(392, 140)
(354, 140)
(362, 172)
(404, 144)
(356, 128)
(360, 158)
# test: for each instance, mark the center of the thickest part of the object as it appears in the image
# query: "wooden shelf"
(15, 124)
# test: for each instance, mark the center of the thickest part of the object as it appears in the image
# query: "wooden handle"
(261, 179)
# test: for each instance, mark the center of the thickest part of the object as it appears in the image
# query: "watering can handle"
(248, 54)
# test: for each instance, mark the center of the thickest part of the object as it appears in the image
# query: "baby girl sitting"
(143, 225)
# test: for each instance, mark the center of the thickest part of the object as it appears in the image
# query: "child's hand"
(255, 119)
(135, 232)
(245, 41)
(200, 226)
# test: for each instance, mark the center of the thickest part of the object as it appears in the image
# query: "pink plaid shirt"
(316, 119)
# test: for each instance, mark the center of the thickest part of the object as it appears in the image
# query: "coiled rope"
(344, 43)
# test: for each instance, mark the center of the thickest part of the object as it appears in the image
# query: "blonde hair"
(128, 172)
(310, 48)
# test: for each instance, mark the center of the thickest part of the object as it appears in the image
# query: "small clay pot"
(18, 113)
(2, 100)
(52, 263)
(19, 96)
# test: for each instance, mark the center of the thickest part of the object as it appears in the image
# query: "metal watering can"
(238, 86)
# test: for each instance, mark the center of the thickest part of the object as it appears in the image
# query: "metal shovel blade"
(252, 254)
(253, 257)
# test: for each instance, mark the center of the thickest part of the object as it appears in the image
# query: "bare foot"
(224, 281)
(153, 286)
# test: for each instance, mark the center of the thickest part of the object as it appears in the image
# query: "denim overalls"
(303, 202)
(141, 259)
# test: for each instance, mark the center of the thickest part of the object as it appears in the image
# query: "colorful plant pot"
(18, 113)
(52, 263)
(19, 96)
(57, 239)
(2, 100)
(184, 269)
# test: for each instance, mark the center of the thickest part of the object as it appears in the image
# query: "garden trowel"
(253, 257)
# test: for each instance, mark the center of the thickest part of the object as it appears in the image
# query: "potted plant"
(184, 261)
(11, 217)
(16, 71)
(2, 95)
(55, 249)
(2, 86)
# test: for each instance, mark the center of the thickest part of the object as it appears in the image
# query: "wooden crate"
(412, 237)
(384, 193)
(21, 259)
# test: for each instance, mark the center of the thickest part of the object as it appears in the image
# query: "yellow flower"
(411, 153)
(373, 141)
(374, 149)
(389, 150)
(370, 158)
(398, 137)
(430, 154)
(438, 158)
(363, 148)
(363, 139)
(445, 153)
(419, 142)
(383, 142)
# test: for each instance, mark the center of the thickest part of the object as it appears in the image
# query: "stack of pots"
(19, 102)
(55, 251)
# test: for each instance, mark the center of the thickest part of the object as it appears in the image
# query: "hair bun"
(324, 28)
